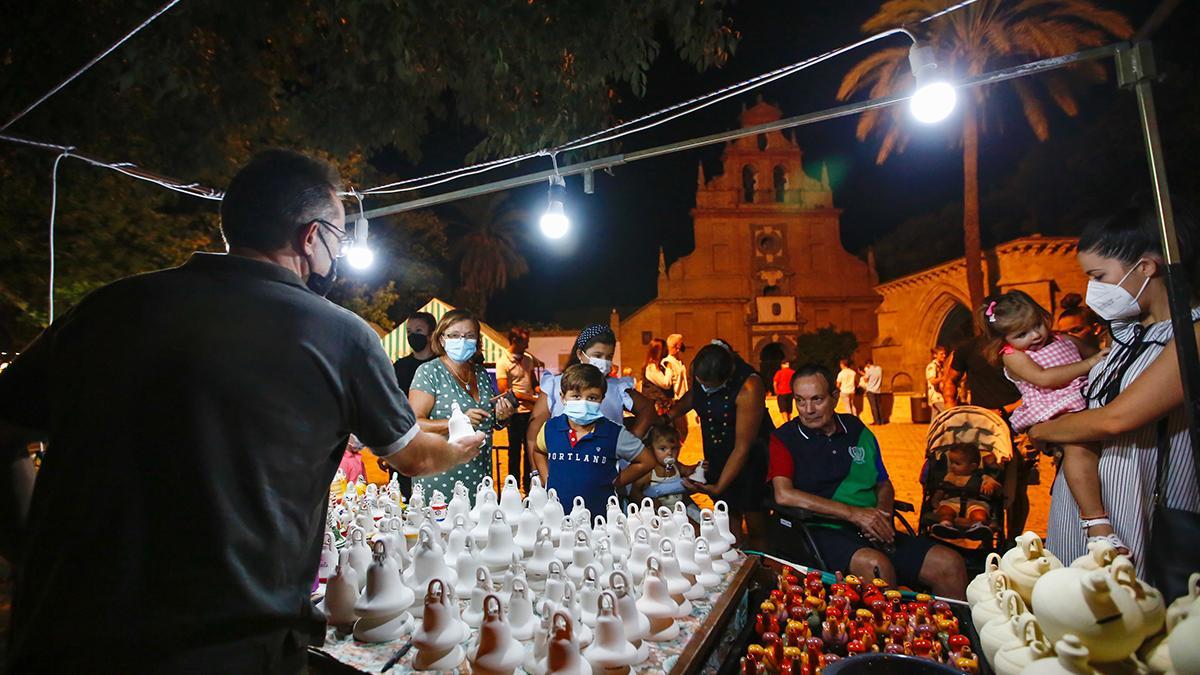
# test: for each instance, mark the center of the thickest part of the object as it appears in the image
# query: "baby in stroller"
(960, 499)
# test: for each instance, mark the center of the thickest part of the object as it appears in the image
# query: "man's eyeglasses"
(345, 239)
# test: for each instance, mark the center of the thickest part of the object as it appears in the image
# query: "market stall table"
(705, 636)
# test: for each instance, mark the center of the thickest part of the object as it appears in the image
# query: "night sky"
(610, 258)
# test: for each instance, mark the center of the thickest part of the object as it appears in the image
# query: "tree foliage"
(209, 83)
(826, 346)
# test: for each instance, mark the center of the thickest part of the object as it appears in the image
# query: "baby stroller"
(965, 480)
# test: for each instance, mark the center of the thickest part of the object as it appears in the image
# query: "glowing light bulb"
(360, 257)
(554, 222)
(933, 99)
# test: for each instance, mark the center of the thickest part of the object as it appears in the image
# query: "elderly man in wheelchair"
(834, 503)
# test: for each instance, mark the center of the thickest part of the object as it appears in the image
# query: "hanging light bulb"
(360, 256)
(554, 222)
(934, 98)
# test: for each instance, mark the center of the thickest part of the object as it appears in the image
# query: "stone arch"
(768, 353)
(780, 183)
(749, 183)
(937, 304)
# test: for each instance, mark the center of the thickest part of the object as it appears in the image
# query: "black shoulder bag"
(1172, 554)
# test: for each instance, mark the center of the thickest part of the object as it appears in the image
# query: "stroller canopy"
(970, 424)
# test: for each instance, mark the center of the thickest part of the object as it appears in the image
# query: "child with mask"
(577, 451)
(1050, 371)
(596, 346)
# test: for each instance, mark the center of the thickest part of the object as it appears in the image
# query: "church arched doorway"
(956, 327)
(771, 356)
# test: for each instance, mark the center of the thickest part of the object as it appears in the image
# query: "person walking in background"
(783, 389)
(656, 378)
(1080, 322)
(847, 379)
(934, 372)
(872, 384)
(419, 327)
(679, 376)
(516, 373)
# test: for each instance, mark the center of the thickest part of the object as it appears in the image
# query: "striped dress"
(1128, 463)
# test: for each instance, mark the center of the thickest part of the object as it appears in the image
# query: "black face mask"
(321, 283)
(418, 342)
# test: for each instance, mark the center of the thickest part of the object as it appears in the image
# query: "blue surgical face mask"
(582, 412)
(709, 390)
(460, 349)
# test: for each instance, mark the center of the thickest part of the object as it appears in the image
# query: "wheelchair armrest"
(795, 512)
(903, 507)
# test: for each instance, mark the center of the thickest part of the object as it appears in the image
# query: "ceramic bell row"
(439, 639)
(382, 609)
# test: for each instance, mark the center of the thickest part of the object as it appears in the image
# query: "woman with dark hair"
(457, 376)
(1135, 397)
(1078, 321)
(656, 381)
(596, 345)
(731, 400)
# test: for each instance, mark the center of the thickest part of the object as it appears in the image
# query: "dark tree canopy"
(209, 83)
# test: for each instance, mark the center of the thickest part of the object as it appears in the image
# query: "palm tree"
(485, 233)
(981, 37)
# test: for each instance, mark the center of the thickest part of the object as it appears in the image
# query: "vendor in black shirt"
(176, 520)
(990, 389)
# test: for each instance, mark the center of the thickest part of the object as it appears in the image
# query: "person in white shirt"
(872, 383)
(933, 380)
(678, 375)
(846, 380)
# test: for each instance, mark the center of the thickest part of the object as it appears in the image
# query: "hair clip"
(990, 312)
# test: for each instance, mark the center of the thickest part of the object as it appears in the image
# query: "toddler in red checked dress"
(1050, 371)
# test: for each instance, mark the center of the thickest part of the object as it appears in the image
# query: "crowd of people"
(177, 514)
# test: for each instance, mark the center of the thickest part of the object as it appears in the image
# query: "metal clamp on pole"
(1136, 70)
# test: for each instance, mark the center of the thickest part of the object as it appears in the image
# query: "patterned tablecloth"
(371, 657)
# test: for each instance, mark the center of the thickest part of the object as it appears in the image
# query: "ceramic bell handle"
(578, 503)
(460, 520)
(552, 495)
(631, 509)
(606, 604)
(721, 507)
(487, 482)
(357, 536)
(554, 569)
(519, 587)
(590, 573)
(667, 547)
(1000, 583)
(599, 523)
(328, 540)
(581, 537)
(543, 534)
(510, 481)
(379, 549)
(492, 608)
(436, 592)
(664, 512)
(618, 581)
(562, 626)
(613, 501)
(642, 536)
(992, 564)
(499, 516)
(653, 564)
(702, 546)
(706, 516)
(424, 536)
(1194, 586)
(483, 579)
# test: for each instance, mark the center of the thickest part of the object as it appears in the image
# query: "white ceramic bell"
(589, 593)
(510, 499)
(464, 568)
(1094, 607)
(565, 541)
(639, 553)
(612, 508)
(657, 605)
(1072, 660)
(633, 518)
(582, 555)
(721, 513)
(677, 585)
(329, 558)
(685, 551)
(552, 512)
(535, 659)
(579, 512)
(341, 593)
(473, 614)
(1026, 563)
(1014, 658)
(439, 639)
(1003, 629)
(706, 577)
(500, 546)
(698, 475)
(484, 515)
(460, 504)
(459, 425)
(428, 563)
(393, 533)
(537, 494)
(599, 527)
(520, 610)
(360, 555)
(571, 603)
(564, 653)
(363, 520)
(605, 561)
(610, 651)
(385, 596)
(679, 516)
(636, 623)
(981, 586)
(668, 528)
(528, 521)
(656, 533)
(618, 532)
(539, 564)
(456, 539)
(514, 571)
(556, 583)
(498, 652)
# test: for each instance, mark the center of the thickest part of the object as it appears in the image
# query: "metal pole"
(1136, 69)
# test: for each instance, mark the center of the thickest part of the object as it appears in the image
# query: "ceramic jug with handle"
(1026, 563)
(1072, 659)
(1091, 605)
(1004, 628)
(1015, 658)
(981, 586)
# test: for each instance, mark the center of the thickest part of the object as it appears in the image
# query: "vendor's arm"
(1150, 397)
(427, 454)
(682, 406)
(1019, 365)
(751, 406)
(641, 460)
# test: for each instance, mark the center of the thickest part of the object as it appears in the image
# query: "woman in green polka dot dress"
(457, 376)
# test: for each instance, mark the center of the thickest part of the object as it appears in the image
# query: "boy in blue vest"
(577, 452)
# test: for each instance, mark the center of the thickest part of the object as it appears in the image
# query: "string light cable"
(162, 10)
(53, 212)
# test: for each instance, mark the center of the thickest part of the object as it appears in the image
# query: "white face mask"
(1111, 301)
(604, 365)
